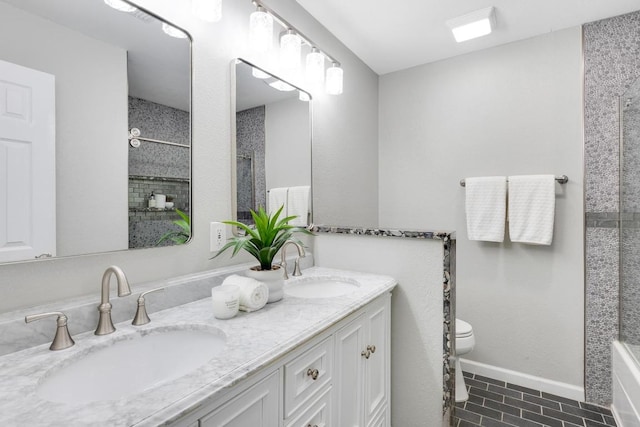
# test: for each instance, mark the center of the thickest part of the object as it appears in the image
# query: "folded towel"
(277, 198)
(486, 202)
(298, 204)
(253, 294)
(532, 202)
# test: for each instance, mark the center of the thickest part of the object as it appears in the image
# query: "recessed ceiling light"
(473, 25)
(120, 5)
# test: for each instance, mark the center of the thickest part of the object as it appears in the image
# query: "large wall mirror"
(95, 129)
(272, 145)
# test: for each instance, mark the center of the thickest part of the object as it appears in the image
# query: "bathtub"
(626, 387)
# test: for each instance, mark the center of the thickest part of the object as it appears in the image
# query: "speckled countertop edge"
(254, 340)
(384, 232)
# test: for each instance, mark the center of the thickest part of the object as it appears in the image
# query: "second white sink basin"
(320, 287)
(135, 363)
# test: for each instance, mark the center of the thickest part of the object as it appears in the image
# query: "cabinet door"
(348, 374)
(376, 367)
(256, 407)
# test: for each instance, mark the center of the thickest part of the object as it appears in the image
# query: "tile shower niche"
(157, 168)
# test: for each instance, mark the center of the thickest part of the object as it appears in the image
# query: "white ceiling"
(395, 35)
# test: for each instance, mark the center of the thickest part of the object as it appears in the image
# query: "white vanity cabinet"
(361, 387)
(339, 378)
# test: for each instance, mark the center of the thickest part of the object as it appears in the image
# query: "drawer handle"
(366, 354)
(313, 373)
(371, 348)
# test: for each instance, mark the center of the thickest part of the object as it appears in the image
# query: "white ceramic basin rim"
(320, 287)
(132, 364)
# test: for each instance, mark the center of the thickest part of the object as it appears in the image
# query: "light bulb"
(334, 80)
(173, 31)
(315, 67)
(261, 30)
(120, 5)
(207, 10)
(290, 49)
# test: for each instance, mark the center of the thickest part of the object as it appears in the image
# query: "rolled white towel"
(253, 294)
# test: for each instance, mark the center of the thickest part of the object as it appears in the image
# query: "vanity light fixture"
(172, 31)
(207, 10)
(473, 25)
(315, 67)
(290, 50)
(261, 30)
(335, 77)
(120, 5)
(281, 86)
(259, 74)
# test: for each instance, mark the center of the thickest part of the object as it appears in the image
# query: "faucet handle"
(141, 317)
(62, 338)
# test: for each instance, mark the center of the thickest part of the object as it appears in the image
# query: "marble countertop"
(254, 340)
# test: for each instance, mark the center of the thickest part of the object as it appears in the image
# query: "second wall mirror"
(271, 144)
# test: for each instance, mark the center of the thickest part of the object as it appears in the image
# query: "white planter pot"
(274, 280)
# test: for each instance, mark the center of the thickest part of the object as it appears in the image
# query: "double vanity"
(318, 356)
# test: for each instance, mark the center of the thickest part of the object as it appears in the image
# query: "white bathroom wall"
(514, 109)
(90, 83)
(288, 139)
(345, 145)
(416, 315)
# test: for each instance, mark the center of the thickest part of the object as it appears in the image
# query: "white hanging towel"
(299, 204)
(532, 203)
(486, 204)
(278, 198)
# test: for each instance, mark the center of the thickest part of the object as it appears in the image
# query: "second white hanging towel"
(485, 204)
(532, 203)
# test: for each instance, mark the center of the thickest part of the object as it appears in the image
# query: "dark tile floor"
(495, 403)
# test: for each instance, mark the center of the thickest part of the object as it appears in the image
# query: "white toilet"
(465, 341)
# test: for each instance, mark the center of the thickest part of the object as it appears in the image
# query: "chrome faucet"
(105, 324)
(283, 259)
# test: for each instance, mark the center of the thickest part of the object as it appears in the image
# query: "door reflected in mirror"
(77, 76)
(272, 146)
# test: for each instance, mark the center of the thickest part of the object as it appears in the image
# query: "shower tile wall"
(612, 64)
(250, 141)
(157, 168)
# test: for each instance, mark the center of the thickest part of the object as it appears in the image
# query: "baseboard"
(525, 380)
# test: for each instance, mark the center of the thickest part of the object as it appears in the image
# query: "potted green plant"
(263, 240)
(182, 234)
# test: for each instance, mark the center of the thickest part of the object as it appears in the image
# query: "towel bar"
(562, 179)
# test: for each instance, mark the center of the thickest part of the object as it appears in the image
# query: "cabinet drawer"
(318, 414)
(306, 375)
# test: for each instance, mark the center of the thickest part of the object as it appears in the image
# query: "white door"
(27, 163)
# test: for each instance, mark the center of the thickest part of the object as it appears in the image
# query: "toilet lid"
(463, 329)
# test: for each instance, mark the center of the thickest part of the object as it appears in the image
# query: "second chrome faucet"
(105, 324)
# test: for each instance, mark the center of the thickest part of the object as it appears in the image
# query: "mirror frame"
(234, 142)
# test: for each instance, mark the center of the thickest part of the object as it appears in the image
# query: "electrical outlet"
(218, 236)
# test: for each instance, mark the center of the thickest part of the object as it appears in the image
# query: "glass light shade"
(173, 31)
(259, 74)
(207, 10)
(290, 50)
(261, 31)
(304, 96)
(334, 80)
(281, 86)
(315, 67)
(120, 5)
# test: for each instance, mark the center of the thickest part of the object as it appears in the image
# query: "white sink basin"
(135, 363)
(320, 287)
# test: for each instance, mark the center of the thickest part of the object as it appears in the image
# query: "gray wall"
(91, 211)
(612, 64)
(514, 109)
(345, 145)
